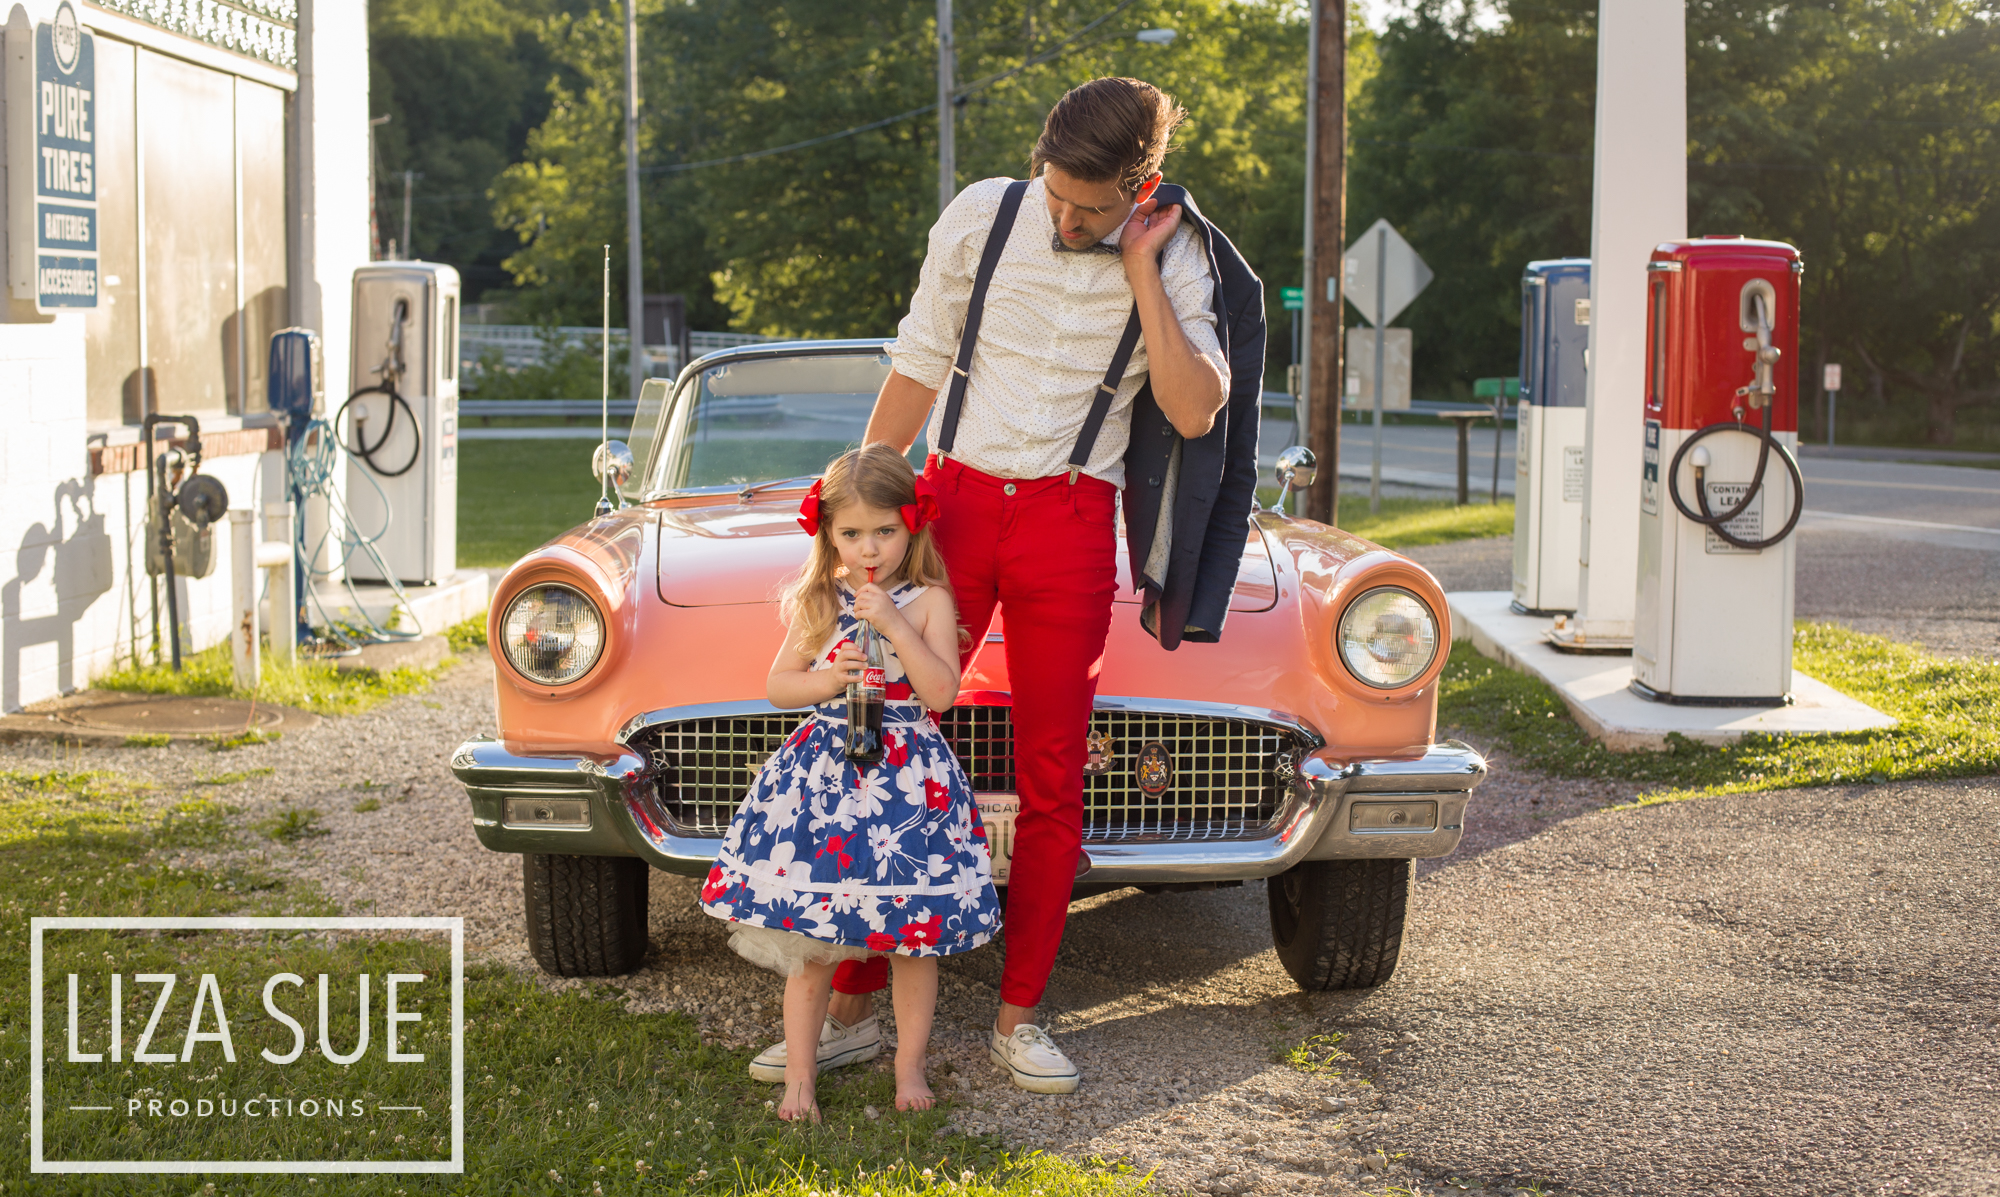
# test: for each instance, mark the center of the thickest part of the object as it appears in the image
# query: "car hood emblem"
(1154, 769)
(1101, 753)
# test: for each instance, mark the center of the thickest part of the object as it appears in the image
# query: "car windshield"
(767, 420)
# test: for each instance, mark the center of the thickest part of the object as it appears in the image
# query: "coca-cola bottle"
(864, 697)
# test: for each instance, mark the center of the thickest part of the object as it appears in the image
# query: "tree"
(462, 82)
(1860, 130)
(827, 239)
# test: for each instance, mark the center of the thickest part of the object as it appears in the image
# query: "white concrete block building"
(182, 179)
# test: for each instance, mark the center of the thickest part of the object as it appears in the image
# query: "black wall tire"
(1338, 924)
(586, 914)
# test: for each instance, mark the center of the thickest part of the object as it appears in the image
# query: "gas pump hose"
(1714, 521)
(365, 451)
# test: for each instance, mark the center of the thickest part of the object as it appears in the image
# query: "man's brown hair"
(1109, 131)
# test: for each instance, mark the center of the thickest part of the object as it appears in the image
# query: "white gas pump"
(1720, 488)
(1548, 439)
(400, 427)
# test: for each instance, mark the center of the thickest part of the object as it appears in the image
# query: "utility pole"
(947, 111)
(635, 274)
(409, 184)
(1326, 244)
(374, 225)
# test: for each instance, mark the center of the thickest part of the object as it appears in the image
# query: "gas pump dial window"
(1387, 638)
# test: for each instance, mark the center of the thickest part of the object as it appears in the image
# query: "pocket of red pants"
(1095, 507)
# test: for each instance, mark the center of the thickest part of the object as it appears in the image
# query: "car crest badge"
(1100, 753)
(1154, 769)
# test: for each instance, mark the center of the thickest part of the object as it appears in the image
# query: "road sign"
(1294, 297)
(1382, 254)
(1831, 381)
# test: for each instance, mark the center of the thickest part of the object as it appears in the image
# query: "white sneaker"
(839, 1045)
(1037, 1063)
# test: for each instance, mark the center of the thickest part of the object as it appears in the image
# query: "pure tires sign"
(65, 113)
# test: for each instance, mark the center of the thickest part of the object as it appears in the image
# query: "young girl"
(829, 860)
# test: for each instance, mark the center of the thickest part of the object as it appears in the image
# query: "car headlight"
(552, 634)
(1387, 637)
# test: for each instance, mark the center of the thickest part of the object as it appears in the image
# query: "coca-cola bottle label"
(874, 679)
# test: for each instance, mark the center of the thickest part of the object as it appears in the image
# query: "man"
(1093, 292)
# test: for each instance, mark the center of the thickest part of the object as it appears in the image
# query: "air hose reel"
(1758, 393)
(391, 372)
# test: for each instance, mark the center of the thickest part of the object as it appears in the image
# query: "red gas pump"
(1721, 489)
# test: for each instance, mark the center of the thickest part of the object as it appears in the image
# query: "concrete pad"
(432, 609)
(1596, 687)
(397, 654)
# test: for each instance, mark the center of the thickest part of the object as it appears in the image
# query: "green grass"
(1318, 1054)
(564, 1092)
(1407, 523)
(514, 496)
(1403, 523)
(1944, 708)
(308, 684)
(467, 634)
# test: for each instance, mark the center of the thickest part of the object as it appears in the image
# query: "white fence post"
(243, 588)
(275, 555)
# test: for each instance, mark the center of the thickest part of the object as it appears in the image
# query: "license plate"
(998, 812)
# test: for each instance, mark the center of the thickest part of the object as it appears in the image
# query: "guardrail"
(525, 344)
(567, 410)
(1282, 402)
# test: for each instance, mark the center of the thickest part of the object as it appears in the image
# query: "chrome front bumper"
(1327, 817)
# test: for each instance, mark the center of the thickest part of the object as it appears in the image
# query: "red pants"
(1046, 550)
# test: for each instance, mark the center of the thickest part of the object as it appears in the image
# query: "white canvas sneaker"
(1035, 1061)
(839, 1045)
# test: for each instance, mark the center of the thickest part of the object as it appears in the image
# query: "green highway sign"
(1294, 297)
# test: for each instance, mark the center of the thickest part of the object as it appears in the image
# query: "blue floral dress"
(830, 860)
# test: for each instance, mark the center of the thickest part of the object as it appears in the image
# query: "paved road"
(1775, 994)
(1412, 454)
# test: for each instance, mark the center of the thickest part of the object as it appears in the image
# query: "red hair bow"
(809, 509)
(924, 510)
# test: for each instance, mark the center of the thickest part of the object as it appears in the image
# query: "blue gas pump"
(1548, 435)
(297, 392)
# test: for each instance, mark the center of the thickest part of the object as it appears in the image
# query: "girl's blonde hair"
(874, 476)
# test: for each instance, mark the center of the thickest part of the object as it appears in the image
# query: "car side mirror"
(1296, 468)
(613, 458)
(611, 464)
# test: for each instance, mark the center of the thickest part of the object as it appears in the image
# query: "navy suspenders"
(954, 401)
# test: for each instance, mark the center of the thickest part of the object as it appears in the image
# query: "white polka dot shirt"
(1052, 323)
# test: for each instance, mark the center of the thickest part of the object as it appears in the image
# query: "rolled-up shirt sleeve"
(1191, 291)
(927, 339)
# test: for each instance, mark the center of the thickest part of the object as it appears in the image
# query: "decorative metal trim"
(266, 30)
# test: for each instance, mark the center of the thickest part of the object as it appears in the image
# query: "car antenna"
(604, 442)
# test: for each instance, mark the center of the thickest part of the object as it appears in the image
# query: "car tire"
(586, 914)
(1338, 924)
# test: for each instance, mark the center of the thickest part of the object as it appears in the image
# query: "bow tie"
(1102, 247)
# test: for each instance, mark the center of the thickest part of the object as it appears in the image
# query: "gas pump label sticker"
(1649, 477)
(1572, 473)
(1747, 526)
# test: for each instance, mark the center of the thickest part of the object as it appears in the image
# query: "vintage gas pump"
(1548, 435)
(1720, 489)
(298, 393)
(400, 427)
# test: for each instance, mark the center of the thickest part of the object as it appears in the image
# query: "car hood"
(733, 553)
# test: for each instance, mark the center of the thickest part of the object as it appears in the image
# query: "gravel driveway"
(1792, 993)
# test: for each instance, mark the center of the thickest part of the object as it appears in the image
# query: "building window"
(193, 252)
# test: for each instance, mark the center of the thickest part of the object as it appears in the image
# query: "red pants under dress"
(1046, 550)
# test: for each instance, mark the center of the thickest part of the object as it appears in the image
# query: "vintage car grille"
(1229, 775)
